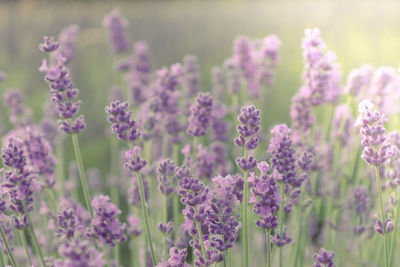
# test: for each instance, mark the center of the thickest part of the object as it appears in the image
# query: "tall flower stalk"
(376, 151)
(248, 128)
(127, 130)
(64, 96)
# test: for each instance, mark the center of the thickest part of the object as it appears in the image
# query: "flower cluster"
(200, 115)
(324, 258)
(373, 135)
(116, 25)
(62, 89)
(265, 196)
(166, 171)
(123, 126)
(105, 224)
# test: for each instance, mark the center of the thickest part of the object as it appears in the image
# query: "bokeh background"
(358, 31)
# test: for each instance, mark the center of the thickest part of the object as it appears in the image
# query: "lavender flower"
(19, 182)
(133, 161)
(166, 171)
(342, 124)
(190, 76)
(200, 113)
(63, 94)
(116, 25)
(49, 45)
(67, 223)
(66, 39)
(20, 114)
(123, 126)
(105, 224)
(265, 196)
(79, 253)
(324, 258)
(373, 135)
(176, 258)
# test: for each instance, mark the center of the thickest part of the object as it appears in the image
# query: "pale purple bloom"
(166, 172)
(133, 161)
(20, 114)
(116, 25)
(123, 125)
(376, 150)
(79, 253)
(105, 223)
(200, 115)
(324, 258)
(49, 45)
(66, 39)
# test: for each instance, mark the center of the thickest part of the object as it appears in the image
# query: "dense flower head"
(321, 76)
(79, 253)
(19, 182)
(38, 151)
(200, 115)
(105, 224)
(116, 25)
(283, 154)
(361, 199)
(324, 258)
(49, 44)
(221, 216)
(265, 197)
(63, 94)
(166, 171)
(176, 258)
(133, 160)
(66, 39)
(67, 223)
(123, 125)
(248, 128)
(376, 150)
(192, 191)
(19, 113)
(133, 226)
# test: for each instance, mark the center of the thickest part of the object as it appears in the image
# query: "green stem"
(281, 217)
(146, 216)
(165, 220)
(60, 166)
(244, 216)
(175, 203)
(23, 241)
(396, 223)
(8, 248)
(2, 262)
(116, 252)
(269, 250)
(35, 242)
(134, 253)
(299, 236)
(201, 240)
(82, 175)
(378, 182)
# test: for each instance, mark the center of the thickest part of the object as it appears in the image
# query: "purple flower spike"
(79, 253)
(105, 224)
(166, 171)
(116, 25)
(281, 241)
(376, 149)
(123, 126)
(324, 258)
(133, 161)
(49, 45)
(66, 220)
(200, 115)
(249, 119)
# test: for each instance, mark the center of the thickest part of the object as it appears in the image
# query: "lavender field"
(198, 133)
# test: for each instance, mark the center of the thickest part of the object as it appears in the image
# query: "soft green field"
(358, 31)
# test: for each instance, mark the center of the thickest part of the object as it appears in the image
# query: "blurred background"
(358, 31)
